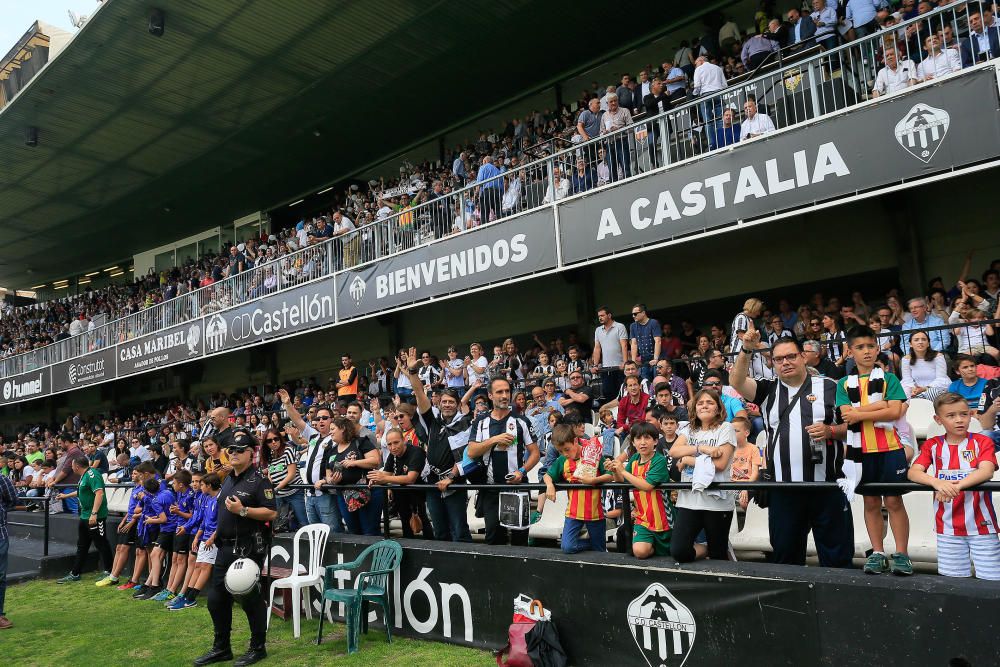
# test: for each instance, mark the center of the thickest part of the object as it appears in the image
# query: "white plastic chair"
(920, 415)
(934, 430)
(317, 534)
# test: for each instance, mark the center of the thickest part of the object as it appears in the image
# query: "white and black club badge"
(193, 338)
(922, 130)
(662, 626)
(216, 332)
(357, 289)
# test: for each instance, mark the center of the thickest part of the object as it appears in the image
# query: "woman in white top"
(925, 372)
(711, 437)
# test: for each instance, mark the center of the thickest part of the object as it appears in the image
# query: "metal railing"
(794, 93)
(804, 487)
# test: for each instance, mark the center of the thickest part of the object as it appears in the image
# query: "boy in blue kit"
(181, 510)
(126, 535)
(148, 527)
(161, 517)
(189, 530)
(203, 542)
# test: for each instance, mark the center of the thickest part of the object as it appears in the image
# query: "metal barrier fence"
(805, 487)
(802, 88)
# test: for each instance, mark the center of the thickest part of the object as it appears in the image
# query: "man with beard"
(447, 433)
(501, 441)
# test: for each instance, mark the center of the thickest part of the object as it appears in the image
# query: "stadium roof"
(143, 139)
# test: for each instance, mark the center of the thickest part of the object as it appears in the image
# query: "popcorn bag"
(590, 457)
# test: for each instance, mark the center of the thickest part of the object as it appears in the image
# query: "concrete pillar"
(902, 217)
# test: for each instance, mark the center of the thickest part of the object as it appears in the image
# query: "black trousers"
(489, 203)
(409, 503)
(754, 61)
(220, 601)
(688, 523)
(488, 503)
(611, 382)
(792, 514)
(96, 535)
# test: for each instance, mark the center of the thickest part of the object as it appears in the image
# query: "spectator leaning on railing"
(967, 35)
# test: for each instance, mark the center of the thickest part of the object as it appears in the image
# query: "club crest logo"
(357, 289)
(663, 628)
(216, 333)
(193, 338)
(922, 130)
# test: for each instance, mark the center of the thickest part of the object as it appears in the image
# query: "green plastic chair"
(372, 586)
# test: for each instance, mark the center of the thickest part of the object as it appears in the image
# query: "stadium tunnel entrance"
(897, 239)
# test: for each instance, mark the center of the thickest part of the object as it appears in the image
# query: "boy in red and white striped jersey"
(965, 521)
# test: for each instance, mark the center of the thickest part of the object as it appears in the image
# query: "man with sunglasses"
(715, 382)
(645, 336)
(242, 532)
(577, 398)
(321, 506)
(804, 444)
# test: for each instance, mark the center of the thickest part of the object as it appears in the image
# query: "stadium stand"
(693, 106)
(433, 199)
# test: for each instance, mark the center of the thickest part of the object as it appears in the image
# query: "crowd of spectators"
(490, 415)
(502, 159)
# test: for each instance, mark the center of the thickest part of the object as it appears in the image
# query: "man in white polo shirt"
(895, 76)
(754, 124)
(610, 352)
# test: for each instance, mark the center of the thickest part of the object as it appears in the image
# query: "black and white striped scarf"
(876, 387)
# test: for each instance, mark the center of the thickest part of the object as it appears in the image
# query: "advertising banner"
(272, 316)
(499, 252)
(180, 343)
(903, 137)
(608, 611)
(89, 369)
(26, 386)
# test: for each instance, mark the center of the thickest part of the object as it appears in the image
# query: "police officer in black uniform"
(242, 532)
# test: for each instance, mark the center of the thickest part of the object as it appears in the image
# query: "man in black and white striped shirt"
(805, 444)
(505, 445)
(743, 322)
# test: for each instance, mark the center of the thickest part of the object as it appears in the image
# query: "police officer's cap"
(242, 440)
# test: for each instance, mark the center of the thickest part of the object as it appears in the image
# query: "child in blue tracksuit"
(166, 522)
(181, 511)
(127, 536)
(147, 528)
(190, 529)
(203, 542)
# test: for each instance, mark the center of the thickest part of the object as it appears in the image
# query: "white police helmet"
(242, 576)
